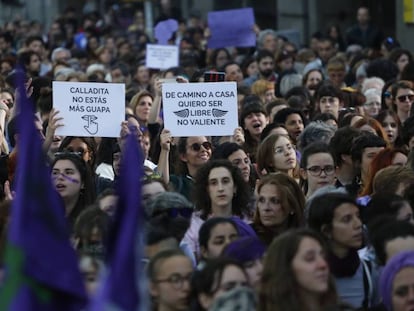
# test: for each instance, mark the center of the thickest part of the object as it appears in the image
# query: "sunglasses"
(175, 212)
(404, 98)
(196, 146)
(67, 153)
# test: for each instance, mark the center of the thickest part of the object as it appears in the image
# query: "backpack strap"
(368, 286)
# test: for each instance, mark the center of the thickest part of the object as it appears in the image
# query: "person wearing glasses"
(402, 93)
(192, 153)
(372, 105)
(169, 275)
(317, 168)
(277, 154)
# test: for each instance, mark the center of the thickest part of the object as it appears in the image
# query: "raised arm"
(156, 103)
(163, 160)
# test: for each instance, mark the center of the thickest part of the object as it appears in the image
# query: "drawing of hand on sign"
(91, 127)
(185, 113)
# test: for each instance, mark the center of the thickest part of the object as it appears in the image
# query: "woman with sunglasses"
(73, 183)
(402, 93)
(219, 191)
(169, 275)
(317, 168)
(192, 153)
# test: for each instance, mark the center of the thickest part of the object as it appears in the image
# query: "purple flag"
(41, 266)
(121, 286)
(231, 28)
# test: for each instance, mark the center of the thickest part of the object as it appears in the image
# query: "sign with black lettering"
(89, 108)
(161, 56)
(200, 109)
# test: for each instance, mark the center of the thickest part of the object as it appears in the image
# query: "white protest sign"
(161, 56)
(200, 109)
(89, 109)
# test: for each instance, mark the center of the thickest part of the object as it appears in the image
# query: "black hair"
(282, 115)
(341, 143)
(365, 140)
(206, 228)
(382, 68)
(24, 58)
(263, 54)
(208, 279)
(384, 229)
(383, 204)
(31, 39)
(313, 148)
(407, 131)
(87, 221)
(322, 209)
(266, 131)
(201, 197)
(327, 89)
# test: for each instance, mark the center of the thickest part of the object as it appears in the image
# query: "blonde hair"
(260, 87)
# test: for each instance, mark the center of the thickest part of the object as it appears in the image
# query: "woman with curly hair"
(219, 191)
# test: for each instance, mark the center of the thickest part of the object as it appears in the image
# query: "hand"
(53, 123)
(181, 79)
(238, 136)
(207, 33)
(256, 29)
(166, 140)
(28, 87)
(4, 106)
(8, 193)
(158, 87)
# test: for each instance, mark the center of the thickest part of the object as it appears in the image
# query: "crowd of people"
(307, 206)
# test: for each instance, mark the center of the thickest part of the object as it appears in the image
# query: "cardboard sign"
(200, 109)
(89, 109)
(161, 56)
(231, 28)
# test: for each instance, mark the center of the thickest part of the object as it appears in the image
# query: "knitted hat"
(245, 249)
(395, 265)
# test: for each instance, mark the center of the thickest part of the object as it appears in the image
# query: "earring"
(292, 213)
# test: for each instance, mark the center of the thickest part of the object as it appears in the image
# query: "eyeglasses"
(176, 280)
(175, 212)
(403, 98)
(372, 104)
(196, 146)
(317, 170)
